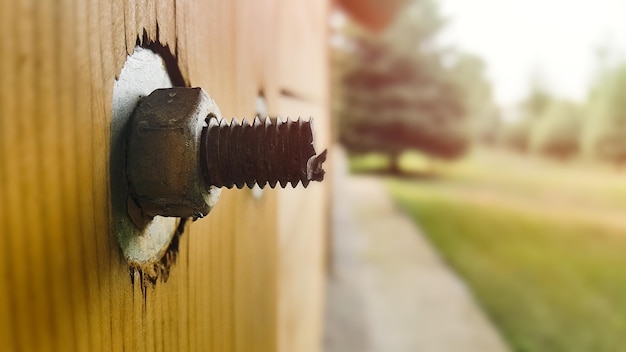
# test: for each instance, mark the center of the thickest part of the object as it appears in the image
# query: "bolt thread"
(264, 152)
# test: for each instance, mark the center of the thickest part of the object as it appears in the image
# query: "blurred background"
(483, 199)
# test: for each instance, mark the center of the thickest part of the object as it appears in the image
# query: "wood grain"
(301, 246)
(63, 282)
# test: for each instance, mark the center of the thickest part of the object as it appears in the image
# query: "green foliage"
(393, 93)
(517, 135)
(468, 72)
(562, 129)
(557, 132)
(605, 130)
(415, 28)
(368, 163)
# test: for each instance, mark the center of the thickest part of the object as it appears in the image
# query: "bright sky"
(557, 38)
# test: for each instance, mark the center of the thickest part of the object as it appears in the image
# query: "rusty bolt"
(181, 152)
(261, 153)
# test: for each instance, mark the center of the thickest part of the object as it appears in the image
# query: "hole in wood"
(144, 242)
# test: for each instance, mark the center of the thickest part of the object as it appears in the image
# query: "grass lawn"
(541, 245)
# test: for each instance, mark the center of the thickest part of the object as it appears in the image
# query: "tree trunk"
(394, 164)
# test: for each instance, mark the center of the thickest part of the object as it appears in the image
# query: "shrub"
(516, 135)
(557, 133)
(605, 130)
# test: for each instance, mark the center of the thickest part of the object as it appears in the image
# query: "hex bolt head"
(180, 152)
(163, 153)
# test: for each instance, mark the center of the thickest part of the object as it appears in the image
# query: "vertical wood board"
(64, 284)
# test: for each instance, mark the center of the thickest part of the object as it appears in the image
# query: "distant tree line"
(400, 90)
(563, 129)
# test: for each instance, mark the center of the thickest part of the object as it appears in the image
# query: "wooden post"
(249, 276)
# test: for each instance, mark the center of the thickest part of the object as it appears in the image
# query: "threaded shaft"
(268, 152)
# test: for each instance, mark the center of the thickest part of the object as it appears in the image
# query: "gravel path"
(389, 290)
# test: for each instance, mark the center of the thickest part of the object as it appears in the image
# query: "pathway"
(389, 290)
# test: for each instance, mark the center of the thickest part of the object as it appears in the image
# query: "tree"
(605, 129)
(557, 133)
(517, 135)
(483, 116)
(394, 93)
(538, 100)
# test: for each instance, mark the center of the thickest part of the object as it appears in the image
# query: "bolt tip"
(314, 169)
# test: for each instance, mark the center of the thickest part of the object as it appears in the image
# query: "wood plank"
(303, 228)
(67, 285)
(302, 57)
(303, 232)
(8, 300)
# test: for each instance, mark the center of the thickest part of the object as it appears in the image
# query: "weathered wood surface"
(248, 277)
